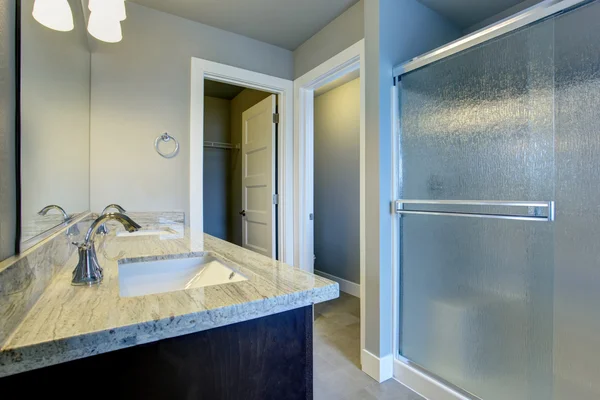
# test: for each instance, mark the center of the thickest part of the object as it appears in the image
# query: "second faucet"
(102, 230)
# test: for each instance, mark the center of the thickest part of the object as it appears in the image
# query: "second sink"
(150, 232)
(142, 278)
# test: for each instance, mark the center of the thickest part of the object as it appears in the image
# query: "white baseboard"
(423, 384)
(380, 369)
(351, 288)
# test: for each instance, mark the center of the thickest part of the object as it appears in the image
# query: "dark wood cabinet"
(260, 359)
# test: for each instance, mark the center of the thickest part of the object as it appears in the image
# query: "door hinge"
(275, 118)
(276, 199)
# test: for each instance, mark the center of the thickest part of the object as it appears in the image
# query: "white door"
(258, 177)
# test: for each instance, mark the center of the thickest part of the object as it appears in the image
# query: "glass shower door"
(477, 177)
(577, 228)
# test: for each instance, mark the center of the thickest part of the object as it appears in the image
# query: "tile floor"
(337, 373)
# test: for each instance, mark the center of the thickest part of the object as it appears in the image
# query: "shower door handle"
(548, 205)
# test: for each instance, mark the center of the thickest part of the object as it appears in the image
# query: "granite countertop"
(71, 322)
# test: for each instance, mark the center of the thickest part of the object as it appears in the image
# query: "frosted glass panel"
(480, 125)
(477, 303)
(477, 293)
(577, 227)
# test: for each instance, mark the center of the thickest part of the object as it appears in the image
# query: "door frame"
(204, 69)
(349, 60)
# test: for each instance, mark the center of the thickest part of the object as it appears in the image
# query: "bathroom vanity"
(170, 313)
(158, 326)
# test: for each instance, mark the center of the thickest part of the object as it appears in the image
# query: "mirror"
(55, 124)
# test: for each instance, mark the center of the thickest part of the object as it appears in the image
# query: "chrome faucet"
(103, 230)
(88, 272)
(45, 210)
(73, 230)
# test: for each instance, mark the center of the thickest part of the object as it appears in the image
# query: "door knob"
(243, 213)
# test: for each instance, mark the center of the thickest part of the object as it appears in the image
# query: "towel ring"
(165, 137)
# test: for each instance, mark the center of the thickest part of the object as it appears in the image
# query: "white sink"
(150, 277)
(148, 232)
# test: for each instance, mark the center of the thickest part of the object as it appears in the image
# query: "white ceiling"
(466, 13)
(283, 23)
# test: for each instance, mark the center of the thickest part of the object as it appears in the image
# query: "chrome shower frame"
(538, 12)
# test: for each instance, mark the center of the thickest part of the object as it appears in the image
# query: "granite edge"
(90, 344)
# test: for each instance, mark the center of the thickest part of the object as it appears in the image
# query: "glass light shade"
(105, 28)
(54, 14)
(109, 8)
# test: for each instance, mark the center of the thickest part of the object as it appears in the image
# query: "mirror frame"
(18, 230)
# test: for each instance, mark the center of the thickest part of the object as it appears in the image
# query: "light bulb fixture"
(114, 9)
(54, 14)
(105, 28)
(105, 19)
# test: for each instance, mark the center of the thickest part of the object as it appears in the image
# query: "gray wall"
(7, 129)
(395, 31)
(338, 35)
(141, 88)
(337, 183)
(243, 101)
(217, 168)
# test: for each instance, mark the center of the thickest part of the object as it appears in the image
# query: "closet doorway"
(240, 196)
(282, 195)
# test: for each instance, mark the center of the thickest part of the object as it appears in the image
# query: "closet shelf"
(220, 145)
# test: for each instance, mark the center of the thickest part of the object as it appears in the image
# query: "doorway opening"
(268, 187)
(240, 193)
(336, 182)
(330, 138)
(336, 222)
